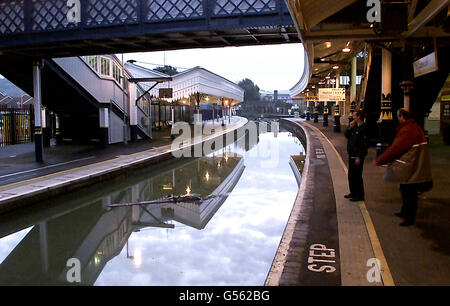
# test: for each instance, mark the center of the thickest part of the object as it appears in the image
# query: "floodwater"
(230, 238)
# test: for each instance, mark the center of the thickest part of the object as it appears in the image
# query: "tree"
(251, 90)
(167, 69)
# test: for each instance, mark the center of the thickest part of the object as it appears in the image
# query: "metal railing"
(26, 16)
(15, 125)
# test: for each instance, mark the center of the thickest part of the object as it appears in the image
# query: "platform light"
(328, 44)
(346, 49)
(335, 67)
(327, 77)
(137, 258)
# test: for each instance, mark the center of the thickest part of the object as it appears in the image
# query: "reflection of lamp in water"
(207, 176)
(188, 190)
(226, 158)
(137, 258)
(167, 187)
(218, 165)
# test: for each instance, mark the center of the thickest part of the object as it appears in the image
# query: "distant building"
(190, 81)
(276, 95)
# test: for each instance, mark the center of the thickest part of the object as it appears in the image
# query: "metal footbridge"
(58, 28)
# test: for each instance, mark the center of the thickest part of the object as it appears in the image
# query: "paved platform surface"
(18, 163)
(416, 255)
(117, 159)
(326, 241)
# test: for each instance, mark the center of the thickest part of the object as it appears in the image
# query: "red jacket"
(409, 133)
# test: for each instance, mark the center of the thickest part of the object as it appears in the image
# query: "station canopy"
(333, 32)
(204, 86)
(192, 86)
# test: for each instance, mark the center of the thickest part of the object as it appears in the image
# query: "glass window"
(93, 62)
(116, 72)
(104, 66)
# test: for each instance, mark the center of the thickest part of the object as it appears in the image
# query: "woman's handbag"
(412, 167)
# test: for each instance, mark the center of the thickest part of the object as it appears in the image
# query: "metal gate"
(15, 125)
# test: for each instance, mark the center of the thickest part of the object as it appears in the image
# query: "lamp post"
(316, 110)
(407, 87)
(223, 100)
(325, 113)
(385, 122)
(308, 116)
(337, 109)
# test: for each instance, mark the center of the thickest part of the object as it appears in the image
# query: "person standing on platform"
(357, 146)
(409, 133)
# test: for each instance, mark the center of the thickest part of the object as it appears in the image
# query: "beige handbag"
(412, 167)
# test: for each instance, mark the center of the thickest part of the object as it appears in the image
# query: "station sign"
(425, 65)
(331, 94)
(311, 99)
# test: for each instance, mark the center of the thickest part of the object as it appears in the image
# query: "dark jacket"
(409, 133)
(358, 142)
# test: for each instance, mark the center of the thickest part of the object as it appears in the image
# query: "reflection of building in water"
(216, 182)
(94, 233)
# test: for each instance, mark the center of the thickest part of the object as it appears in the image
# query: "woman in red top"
(409, 133)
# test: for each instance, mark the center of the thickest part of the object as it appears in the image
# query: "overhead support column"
(316, 111)
(38, 137)
(133, 111)
(337, 111)
(308, 116)
(325, 113)
(223, 123)
(407, 87)
(385, 122)
(352, 89)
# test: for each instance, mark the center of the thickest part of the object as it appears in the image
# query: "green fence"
(15, 125)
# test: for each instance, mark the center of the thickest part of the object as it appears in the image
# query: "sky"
(271, 67)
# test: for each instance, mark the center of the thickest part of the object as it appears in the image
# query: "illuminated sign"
(331, 94)
(425, 65)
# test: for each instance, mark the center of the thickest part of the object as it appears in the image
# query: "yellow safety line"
(5, 187)
(375, 242)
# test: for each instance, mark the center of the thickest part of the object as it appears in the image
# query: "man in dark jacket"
(357, 145)
(409, 133)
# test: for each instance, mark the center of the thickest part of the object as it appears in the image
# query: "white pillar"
(37, 96)
(386, 84)
(132, 101)
(338, 106)
(38, 137)
(386, 76)
(353, 81)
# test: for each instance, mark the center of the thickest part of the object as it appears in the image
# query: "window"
(104, 66)
(116, 72)
(93, 62)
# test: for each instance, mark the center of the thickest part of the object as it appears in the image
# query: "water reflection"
(160, 244)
